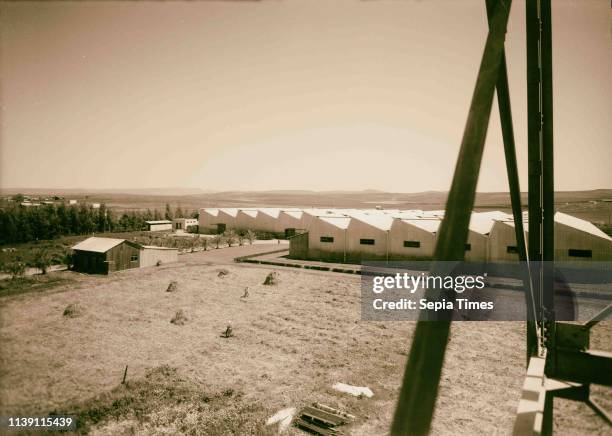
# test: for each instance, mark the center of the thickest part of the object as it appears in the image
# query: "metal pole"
(505, 115)
(534, 122)
(422, 375)
(548, 189)
(548, 186)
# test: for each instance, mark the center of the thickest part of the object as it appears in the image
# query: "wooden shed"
(159, 225)
(103, 255)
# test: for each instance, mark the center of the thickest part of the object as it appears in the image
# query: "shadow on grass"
(29, 284)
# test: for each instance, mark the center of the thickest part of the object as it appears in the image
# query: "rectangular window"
(412, 244)
(366, 241)
(468, 247)
(574, 252)
(134, 258)
(327, 239)
(512, 249)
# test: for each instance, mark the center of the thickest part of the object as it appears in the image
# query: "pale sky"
(293, 94)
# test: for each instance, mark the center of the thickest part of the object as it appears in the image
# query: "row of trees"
(25, 224)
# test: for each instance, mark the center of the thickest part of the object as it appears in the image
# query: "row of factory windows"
(513, 249)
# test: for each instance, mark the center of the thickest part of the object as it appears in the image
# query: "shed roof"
(250, 212)
(159, 222)
(98, 245)
(482, 222)
(380, 221)
(430, 225)
(155, 247)
(209, 211)
(231, 211)
(294, 213)
(270, 211)
(583, 225)
(337, 221)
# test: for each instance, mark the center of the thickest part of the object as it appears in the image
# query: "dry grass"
(73, 310)
(179, 318)
(162, 399)
(271, 279)
(295, 341)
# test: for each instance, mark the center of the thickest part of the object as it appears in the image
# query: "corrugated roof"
(251, 213)
(482, 222)
(408, 214)
(159, 222)
(379, 220)
(270, 211)
(212, 212)
(583, 225)
(340, 222)
(294, 213)
(98, 245)
(430, 225)
(229, 211)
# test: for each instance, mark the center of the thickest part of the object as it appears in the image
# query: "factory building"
(327, 238)
(368, 236)
(576, 240)
(247, 219)
(208, 220)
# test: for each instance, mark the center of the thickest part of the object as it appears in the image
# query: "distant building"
(207, 221)
(72, 202)
(159, 225)
(95, 205)
(184, 224)
(103, 255)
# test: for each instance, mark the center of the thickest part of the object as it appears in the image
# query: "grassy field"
(292, 342)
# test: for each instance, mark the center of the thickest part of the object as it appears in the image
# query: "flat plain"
(292, 341)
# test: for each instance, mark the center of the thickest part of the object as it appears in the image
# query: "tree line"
(50, 221)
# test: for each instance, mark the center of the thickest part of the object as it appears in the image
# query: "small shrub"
(228, 332)
(179, 318)
(73, 310)
(172, 287)
(271, 279)
(15, 269)
(216, 240)
(230, 237)
(222, 272)
(42, 260)
(158, 263)
(250, 236)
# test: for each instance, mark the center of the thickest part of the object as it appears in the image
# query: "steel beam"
(534, 122)
(419, 390)
(505, 115)
(548, 185)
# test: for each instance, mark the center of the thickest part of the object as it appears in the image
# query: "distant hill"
(83, 192)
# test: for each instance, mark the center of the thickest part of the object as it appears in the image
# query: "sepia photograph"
(306, 217)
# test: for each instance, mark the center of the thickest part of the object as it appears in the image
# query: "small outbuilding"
(159, 225)
(184, 224)
(103, 255)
